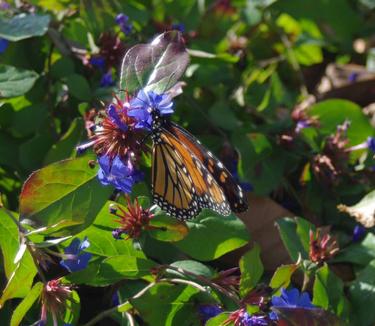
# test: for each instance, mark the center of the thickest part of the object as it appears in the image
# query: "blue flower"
(292, 299)
(115, 172)
(358, 233)
(301, 124)
(208, 311)
(107, 80)
(78, 259)
(3, 45)
(254, 320)
(178, 27)
(123, 21)
(371, 143)
(353, 77)
(113, 114)
(145, 103)
(98, 62)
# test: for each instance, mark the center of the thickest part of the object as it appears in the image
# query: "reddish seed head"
(132, 219)
(322, 248)
(53, 297)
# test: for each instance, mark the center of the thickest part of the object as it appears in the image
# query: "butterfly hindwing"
(182, 185)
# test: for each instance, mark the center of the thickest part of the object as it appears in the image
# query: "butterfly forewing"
(223, 177)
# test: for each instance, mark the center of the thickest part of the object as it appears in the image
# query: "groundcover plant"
(187, 162)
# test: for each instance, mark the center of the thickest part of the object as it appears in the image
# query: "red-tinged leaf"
(306, 317)
(63, 197)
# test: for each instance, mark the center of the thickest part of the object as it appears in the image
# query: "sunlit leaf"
(167, 304)
(282, 277)
(21, 310)
(224, 233)
(251, 270)
(23, 26)
(23, 271)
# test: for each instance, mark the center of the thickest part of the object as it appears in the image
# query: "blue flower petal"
(3, 45)
(81, 259)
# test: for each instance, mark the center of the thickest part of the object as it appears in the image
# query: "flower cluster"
(118, 137)
(322, 248)
(332, 162)
(54, 296)
(133, 219)
(241, 317)
(125, 25)
(291, 299)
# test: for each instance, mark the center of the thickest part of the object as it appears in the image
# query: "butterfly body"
(186, 177)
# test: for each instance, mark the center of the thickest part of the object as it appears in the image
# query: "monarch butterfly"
(186, 177)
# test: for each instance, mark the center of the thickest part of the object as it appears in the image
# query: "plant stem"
(205, 280)
(110, 311)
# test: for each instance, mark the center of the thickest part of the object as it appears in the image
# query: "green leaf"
(72, 309)
(363, 211)
(14, 81)
(167, 304)
(21, 273)
(282, 276)
(23, 26)
(155, 66)
(294, 234)
(63, 197)
(362, 295)
(331, 113)
(25, 305)
(328, 292)
(358, 253)
(78, 87)
(117, 268)
(167, 228)
(65, 147)
(223, 116)
(251, 270)
(62, 68)
(218, 320)
(225, 234)
(24, 274)
(9, 242)
(193, 267)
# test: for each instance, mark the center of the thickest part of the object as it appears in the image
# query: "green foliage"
(361, 293)
(247, 69)
(67, 189)
(23, 26)
(21, 310)
(251, 270)
(294, 233)
(167, 304)
(15, 82)
(226, 234)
